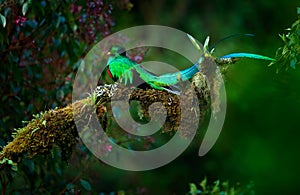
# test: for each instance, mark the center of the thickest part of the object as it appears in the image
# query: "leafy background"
(259, 141)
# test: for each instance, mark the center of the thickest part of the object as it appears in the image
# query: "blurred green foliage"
(42, 41)
(220, 188)
(41, 44)
(288, 56)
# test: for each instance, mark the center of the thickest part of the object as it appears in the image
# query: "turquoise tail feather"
(247, 55)
(189, 72)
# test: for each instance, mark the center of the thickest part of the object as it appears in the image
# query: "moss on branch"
(56, 127)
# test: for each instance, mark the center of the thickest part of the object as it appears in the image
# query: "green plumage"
(121, 67)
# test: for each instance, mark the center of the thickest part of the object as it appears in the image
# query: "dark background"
(259, 141)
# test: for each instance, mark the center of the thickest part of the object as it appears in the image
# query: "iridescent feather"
(247, 55)
(123, 67)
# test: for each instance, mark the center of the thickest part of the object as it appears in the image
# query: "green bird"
(121, 67)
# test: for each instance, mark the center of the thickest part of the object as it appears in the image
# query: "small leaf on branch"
(86, 184)
(3, 20)
(24, 8)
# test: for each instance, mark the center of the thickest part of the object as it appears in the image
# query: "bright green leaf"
(193, 189)
(86, 184)
(216, 187)
(203, 184)
(3, 20)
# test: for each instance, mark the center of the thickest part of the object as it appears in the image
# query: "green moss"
(57, 127)
(53, 127)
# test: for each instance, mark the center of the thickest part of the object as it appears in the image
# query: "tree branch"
(56, 127)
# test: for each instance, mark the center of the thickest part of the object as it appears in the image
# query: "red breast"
(109, 73)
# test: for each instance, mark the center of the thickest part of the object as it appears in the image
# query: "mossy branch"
(56, 127)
